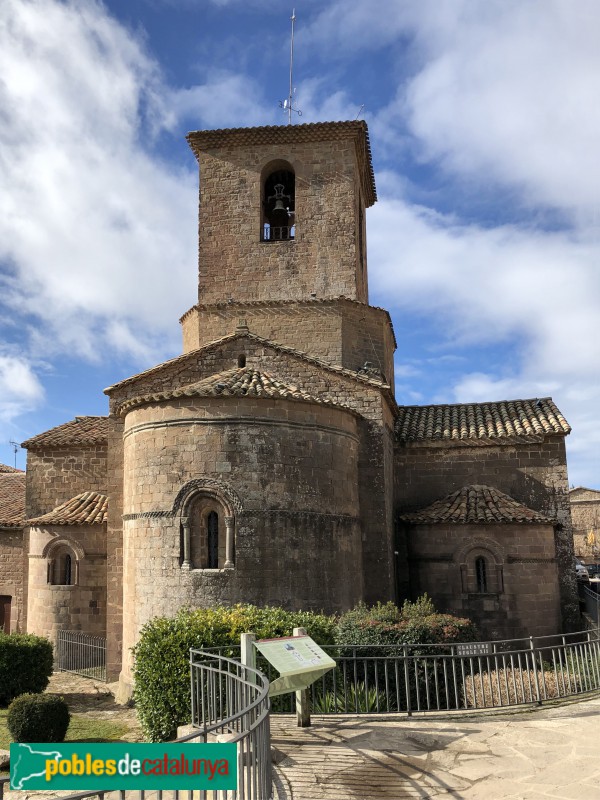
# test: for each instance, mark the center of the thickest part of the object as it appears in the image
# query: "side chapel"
(270, 462)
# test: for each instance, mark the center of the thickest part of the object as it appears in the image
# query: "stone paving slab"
(548, 752)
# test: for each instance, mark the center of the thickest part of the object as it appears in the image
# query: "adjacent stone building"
(270, 462)
(12, 551)
(585, 511)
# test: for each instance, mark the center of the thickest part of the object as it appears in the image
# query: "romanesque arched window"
(212, 540)
(481, 574)
(207, 529)
(62, 567)
(278, 187)
(481, 562)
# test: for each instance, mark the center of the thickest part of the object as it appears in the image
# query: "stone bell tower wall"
(340, 332)
(333, 185)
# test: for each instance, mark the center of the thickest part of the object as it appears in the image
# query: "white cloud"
(20, 390)
(504, 90)
(94, 231)
(223, 101)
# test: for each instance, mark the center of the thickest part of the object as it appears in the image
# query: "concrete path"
(550, 752)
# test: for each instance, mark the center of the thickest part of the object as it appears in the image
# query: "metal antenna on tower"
(288, 105)
(15, 446)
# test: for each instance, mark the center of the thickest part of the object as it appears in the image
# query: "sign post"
(300, 662)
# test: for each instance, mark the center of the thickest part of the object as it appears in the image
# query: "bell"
(279, 205)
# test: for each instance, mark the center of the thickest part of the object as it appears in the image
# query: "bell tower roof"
(224, 138)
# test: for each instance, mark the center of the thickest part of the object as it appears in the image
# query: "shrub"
(414, 623)
(38, 718)
(512, 685)
(162, 671)
(25, 665)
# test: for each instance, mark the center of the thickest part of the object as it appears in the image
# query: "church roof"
(236, 382)
(87, 508)
(481, 423)
(475, 505)
(12, 497)
(242, 333)
(81, 430)
(287, 134)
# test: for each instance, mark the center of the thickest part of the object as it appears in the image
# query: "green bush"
(161, 668)
(38, 718)
(25, 665)
(414, 623)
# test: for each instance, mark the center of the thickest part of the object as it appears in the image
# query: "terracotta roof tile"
(243, 333)
(81, 430)
(7, 469)
(476, 505)
(481, 423)
(237, 382)
(286, 134)
(87, 508)
(12, 499)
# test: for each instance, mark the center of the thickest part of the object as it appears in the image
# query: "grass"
(81, 729)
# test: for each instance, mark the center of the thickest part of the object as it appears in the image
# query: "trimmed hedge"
(414, 623)
(162, 670)
(25, 665)
(38, 718)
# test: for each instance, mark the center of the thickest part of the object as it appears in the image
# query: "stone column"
(229, 532)
(185, 521)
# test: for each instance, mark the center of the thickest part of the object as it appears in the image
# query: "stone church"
(270, 462)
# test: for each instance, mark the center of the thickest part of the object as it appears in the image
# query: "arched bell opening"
(278, 202)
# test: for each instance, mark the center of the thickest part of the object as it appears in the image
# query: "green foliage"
(357, 699)
(162, 671)
(38, 718)
(25, 665)
(415, 623)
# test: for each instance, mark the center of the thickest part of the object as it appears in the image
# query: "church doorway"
(5, 613)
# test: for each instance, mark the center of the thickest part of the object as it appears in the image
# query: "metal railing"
(278, 233)
(81, 653)
(230, 703)
(591, 599)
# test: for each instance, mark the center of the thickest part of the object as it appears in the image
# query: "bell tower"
(282, 229)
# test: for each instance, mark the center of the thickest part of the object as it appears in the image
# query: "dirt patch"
(94, 698)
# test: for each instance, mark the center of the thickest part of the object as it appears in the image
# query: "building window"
(241, 360)
(278, 203)
(62, 568)
(212, 529)
(481, 575)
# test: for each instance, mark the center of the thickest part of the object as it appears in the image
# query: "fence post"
(248, 653)
(302, 699)
(407, 680)
(535, 674)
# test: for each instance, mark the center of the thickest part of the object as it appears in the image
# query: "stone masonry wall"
(80, 606)
(534, 473)
(338, 332)
(55, 475)
(114, 550)
(294, 468)
(12, 570)
(523, 602)
(323, 257)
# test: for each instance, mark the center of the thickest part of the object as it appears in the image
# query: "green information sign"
(299, 661)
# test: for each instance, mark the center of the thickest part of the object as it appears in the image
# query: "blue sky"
(484, 245)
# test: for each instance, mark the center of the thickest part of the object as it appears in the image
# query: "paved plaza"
(550, 752)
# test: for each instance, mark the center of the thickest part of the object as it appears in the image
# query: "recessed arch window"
(212, 540)
(62, 567)
(278, 202)
(481, 574)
